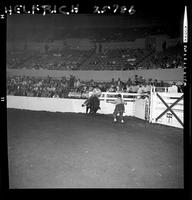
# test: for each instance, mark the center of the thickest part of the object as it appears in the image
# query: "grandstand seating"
(106, 59)
(170, 58)
(110, 59)
(118, 59)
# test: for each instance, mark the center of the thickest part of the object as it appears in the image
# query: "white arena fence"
(133, 102)
(159, 107)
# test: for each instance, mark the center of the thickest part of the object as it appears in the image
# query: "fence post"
(151, 104)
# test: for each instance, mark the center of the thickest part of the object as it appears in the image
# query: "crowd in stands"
(118, 59)
(37, 87)
(19, 58)
(113, 34)
(108, 59)
(167, 59)
(54, 60)
(67, 87)
(162, 62)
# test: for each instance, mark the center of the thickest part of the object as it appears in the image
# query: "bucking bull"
(92, 104)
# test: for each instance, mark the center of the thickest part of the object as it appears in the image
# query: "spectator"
(141, 89)
(127, 88)
(134, 88)
(50, 87)
(148, 88)
(180, 86)
(55, 95)
(173, 88)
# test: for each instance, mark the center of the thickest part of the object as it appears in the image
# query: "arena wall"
(61, 105)
(45, 104)
(159, 74)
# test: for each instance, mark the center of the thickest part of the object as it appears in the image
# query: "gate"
(167, 108)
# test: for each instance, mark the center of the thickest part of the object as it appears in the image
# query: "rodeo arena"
(94, 103)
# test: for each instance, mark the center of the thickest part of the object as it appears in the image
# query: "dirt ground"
(69, 150)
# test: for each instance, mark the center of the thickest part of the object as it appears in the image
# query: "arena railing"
(128, 97)
(159, 89)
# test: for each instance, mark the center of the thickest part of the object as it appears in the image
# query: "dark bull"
(92, 104)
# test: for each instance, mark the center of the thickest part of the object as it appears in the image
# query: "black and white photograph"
(96, 99)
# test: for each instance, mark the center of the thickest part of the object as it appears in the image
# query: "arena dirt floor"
(68, 150)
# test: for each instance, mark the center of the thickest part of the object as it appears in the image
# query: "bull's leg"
(87, 109)
(95, 110)
(90, 110)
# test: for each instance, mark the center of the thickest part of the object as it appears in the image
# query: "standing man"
(173, 88)
(119, 108)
